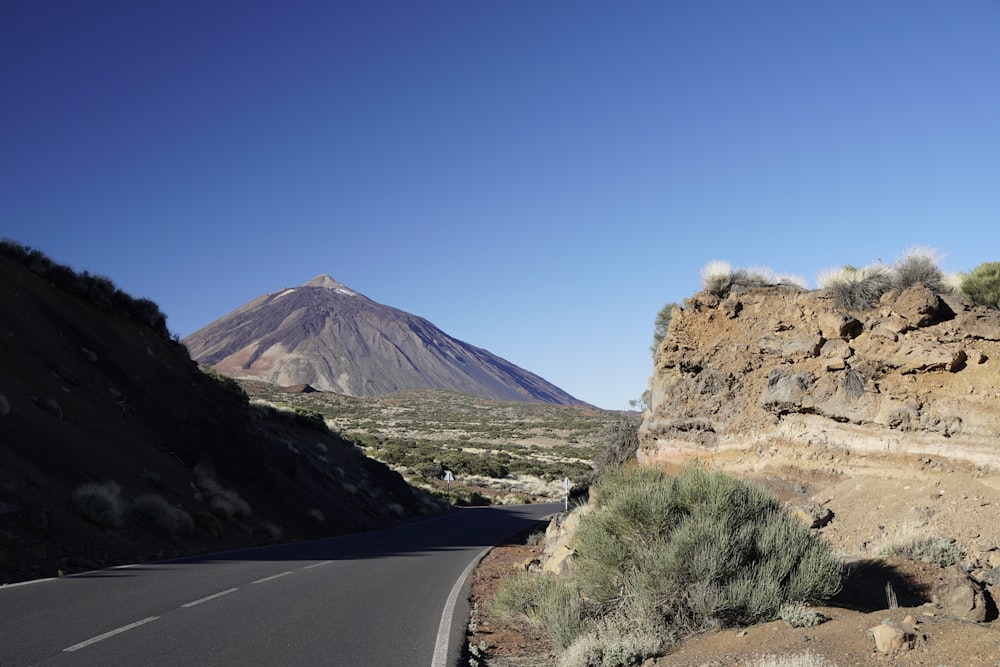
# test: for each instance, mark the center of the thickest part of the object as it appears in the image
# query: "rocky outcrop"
(773, 367)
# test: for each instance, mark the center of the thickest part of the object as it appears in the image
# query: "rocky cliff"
(779, 372)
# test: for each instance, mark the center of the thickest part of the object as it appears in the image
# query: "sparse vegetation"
(501, 451)
(100, 290)
(860, 289)
(857, 289)
(101, 503)
(224, 503)
(719, 277)
(940, 551)
(982, 285)
(156, 509)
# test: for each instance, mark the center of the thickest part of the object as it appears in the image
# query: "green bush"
(708, 547)
(982, 286)
(661, 326)
(101, 503)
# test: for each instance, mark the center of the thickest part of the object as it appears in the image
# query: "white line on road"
(210, 597)
(94, 640)
(440, 658)
(274, 576)
(309, 567)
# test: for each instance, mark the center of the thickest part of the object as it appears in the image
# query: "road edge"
(446, 653)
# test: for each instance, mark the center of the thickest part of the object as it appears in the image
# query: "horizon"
(537, 180)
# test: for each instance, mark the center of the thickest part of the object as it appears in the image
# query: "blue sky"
(536, 178)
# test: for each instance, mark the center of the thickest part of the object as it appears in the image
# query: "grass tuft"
(101, 503)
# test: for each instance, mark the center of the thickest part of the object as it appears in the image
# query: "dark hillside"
(89, 392)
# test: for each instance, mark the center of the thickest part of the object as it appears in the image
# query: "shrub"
(229, 505)
(620, 440)
(616, 641)
(717, 277)
(155, 508)
(662, 325)
(941, 551)
(225, 503)
(799, 615)
(101, 503)
(982, 286)
(806, 659)
(708, 547)
(542, 600)
(857, 289)
(920, 266)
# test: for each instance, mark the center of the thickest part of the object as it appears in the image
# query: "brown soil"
(869, 509)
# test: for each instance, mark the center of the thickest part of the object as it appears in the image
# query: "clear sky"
(536, 178)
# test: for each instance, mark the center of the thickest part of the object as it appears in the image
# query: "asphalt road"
(378, 599)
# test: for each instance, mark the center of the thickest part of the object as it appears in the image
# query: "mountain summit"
(335, 339)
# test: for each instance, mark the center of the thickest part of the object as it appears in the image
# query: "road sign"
(448, 477)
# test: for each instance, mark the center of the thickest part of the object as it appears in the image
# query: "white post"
(566, 485)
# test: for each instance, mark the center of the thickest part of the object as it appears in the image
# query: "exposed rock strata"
(779, 368)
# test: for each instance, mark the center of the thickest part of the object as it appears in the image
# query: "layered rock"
(774, 368)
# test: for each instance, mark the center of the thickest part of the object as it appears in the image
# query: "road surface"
(378, 599)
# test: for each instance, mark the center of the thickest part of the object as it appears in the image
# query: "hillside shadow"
(462, 530)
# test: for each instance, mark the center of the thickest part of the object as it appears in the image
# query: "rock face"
(772, 367)
(334, 339)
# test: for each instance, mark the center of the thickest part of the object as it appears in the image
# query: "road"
(375, 598)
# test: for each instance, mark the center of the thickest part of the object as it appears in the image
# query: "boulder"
(959, 595)
(920, 307)
(840, 325)
(895, 636)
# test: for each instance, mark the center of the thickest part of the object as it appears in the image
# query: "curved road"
(380, 598)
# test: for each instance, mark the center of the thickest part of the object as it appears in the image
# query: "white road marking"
(210, 597)
(117, 631)
(26, 583)
(309, 567)
(274, 576)
(440, 658)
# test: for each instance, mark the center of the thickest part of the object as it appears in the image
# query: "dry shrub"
(101, 503)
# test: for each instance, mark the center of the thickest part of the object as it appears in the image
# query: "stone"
(811, 515)
(920, 307)
(51, 406)
(892, 637)
(958, 595)
(731, 308)
(840, 325)
(836, 349)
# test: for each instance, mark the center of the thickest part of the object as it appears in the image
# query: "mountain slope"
(335, 339)
(92, 393)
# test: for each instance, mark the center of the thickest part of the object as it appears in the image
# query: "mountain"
(330, 337)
